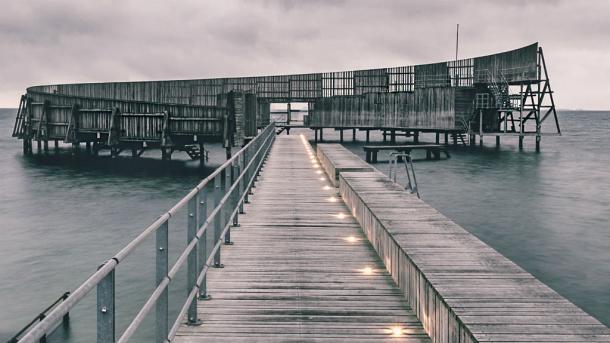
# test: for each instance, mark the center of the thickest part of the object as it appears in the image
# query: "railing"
(396, 157)
(240, 173)
(41, 316)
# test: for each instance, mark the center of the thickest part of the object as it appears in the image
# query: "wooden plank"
(294, 274)
(334, 158)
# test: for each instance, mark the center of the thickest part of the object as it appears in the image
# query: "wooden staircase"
(195, 153)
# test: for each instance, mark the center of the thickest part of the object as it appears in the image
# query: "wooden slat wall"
(141, 127)
(432, 75)
(196, 120)
(517, 65)
(425, 108)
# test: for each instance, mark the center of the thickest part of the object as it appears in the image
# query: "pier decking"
(301, 268)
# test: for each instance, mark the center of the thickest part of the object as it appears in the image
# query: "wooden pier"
(301, 268)
(303, 261)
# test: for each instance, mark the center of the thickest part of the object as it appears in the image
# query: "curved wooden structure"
(498, 94)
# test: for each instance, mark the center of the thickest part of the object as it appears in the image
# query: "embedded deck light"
(351, 239)
(367, 271)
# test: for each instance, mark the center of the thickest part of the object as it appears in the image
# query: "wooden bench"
(431, 150)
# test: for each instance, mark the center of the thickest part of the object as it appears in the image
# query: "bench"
(431, 150)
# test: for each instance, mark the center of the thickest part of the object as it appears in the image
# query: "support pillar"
(497, 142)
(446, 138)
(481, 140)
(520, 142)
(538, 138)
(367, 135)
(341, 135)
(353, 135)
(288, 114)
(393, 136)
(416, 137)
(201, 155)
(315, 139)
(438, 138)
(321, 134)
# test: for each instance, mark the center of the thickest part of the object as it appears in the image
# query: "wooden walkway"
(301, 269)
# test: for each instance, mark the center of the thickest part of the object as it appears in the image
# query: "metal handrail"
(41, 316)
(408, 161)
(241, 171)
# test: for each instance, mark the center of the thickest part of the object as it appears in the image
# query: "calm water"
(61, 218)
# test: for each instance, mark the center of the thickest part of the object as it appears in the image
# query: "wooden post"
(393, 136)
(315, 135)
(538, 138)
(367, 135)
(201, 155)
(353, 135)
(341, 135)
(321, 134)
(446, 138)
(416, 137)
(438, 138)
(288, 114)
(520, 142)
(497, 142)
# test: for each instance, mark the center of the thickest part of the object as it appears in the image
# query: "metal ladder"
(408, 162)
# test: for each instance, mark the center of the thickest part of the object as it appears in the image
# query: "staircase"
(195, 153)
(459, 137)
(19, 127)
(498, 86)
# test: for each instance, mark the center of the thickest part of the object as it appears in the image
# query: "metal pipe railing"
(240, 174)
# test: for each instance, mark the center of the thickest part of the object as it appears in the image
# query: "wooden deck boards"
(292, 276)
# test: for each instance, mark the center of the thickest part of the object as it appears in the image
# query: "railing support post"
(217, 221)
(228, 205)
(192, 258)
(237, 191)
(242, 166)
(161, 313)
(105, 309)
(203, 243)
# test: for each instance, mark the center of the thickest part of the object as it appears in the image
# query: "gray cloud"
(61, 41)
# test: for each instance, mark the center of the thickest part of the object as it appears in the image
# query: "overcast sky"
(44, 42)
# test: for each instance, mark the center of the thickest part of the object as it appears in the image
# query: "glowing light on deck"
(326, 188)
(332, 199)
(322, 179)
(341, 215)
(351, 239)
(396, 331)
(367, 271)
(318, 171)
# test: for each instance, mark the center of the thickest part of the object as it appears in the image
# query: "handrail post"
(246, 173)
(192, 258)
(105, 309)
(203, 242)
(236, 197)
(241, 164)
(229, 203)
(161, 314)
(217, 220)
